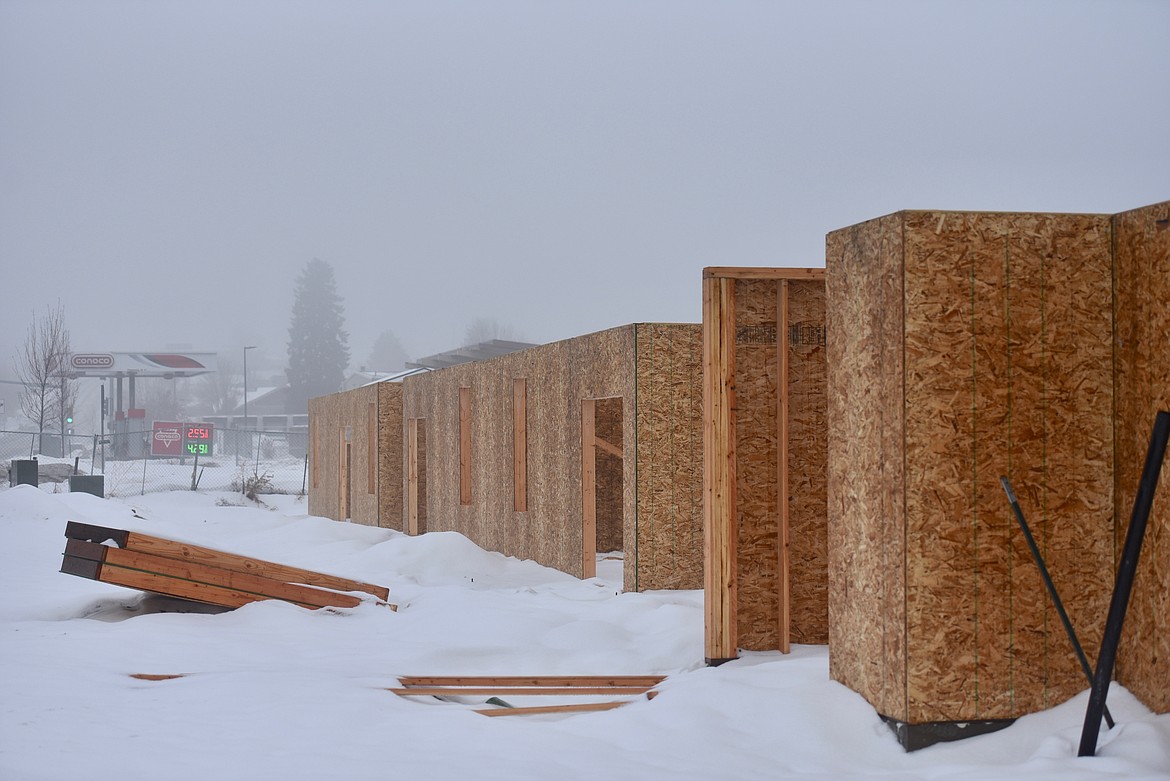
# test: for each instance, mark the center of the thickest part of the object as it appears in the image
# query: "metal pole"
(1048, 584)
(1125, 575)
(244, 428)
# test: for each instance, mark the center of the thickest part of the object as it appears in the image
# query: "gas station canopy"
(167, 365)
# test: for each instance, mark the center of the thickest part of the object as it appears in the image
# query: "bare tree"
(42, 365)
(220, 391)
(484, 329)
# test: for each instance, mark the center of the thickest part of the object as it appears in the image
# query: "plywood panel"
(391, 455)
(757, 463)
(865, 494)
(1142, 360)
(807, 454)
(669, 533)
(1006, 349)
(330, 416)
(558, 376)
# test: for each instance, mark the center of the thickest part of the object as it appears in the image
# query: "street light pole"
(249, 347)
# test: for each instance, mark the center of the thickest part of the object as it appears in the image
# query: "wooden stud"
(588, 488)
(438, 691)
(737, 272)
(612, 449)
(531, 681)
(343, 474)
(719, 527)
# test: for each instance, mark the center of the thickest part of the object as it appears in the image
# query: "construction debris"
(445, 687)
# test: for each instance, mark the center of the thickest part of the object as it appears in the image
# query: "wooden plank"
(520, 445)
(465, 445)
(84, 531)
(612, 449)
(173, 587)
(157, 676)
(588, 488)
(531, 680)
(783, 577)
(740, 272)
(438, 691)
(261, 586)
(237, 563)
(536, 710)
(719, 547)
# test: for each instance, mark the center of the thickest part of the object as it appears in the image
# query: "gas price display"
(197, 438)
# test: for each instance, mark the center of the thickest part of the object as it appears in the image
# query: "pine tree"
(318, 350)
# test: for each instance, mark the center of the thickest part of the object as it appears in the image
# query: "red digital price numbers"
(198, 439)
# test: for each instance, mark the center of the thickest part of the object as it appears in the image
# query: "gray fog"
(167, 168)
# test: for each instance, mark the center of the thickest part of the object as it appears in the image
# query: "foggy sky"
(167, 168)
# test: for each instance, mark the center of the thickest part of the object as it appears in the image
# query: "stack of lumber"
(179, 569)
(495, 687)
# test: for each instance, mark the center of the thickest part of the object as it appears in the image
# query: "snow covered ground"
(275, 691)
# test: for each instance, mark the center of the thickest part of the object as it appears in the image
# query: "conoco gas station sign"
(166, 365)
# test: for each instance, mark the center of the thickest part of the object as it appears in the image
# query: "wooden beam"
(542, 709)
(719, 500)
(437, 691)
(588, 488)
(157, 676)
(184, 573)
(783, 569)
(741, 272)
(602, 444)
(195, 553)
(185, 551)
(531, 680)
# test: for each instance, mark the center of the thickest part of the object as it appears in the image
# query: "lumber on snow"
(179, 569)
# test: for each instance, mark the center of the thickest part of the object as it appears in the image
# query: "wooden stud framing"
(465, 445)
(719, 572)
(520, 445)
(588, 488)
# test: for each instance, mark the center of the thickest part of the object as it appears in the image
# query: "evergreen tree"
(318, 350)
(387, 353)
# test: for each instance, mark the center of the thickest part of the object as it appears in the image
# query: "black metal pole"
(1052, 593)
(1125, 575)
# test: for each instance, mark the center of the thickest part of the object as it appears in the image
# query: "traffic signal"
(69, 419)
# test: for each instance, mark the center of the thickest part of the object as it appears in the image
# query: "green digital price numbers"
(198, 439)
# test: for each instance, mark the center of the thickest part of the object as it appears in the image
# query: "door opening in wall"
(602, 479)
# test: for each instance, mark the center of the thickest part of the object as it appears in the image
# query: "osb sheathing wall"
(653, 370)
(1141, 245)
(330, 416)
(965, 346)
(773, 326)
(667, 542)
(391, 455)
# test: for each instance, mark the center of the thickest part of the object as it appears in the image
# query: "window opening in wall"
(371, 448)
(520, 445)
(343, 476)
(416, 476)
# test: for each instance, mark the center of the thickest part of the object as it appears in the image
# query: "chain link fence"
(244, 460)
